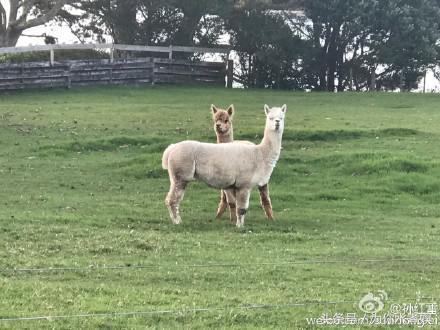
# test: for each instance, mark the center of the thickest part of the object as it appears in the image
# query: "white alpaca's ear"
(214, 109)
(284, 108)
(231, 110)
(266, 109)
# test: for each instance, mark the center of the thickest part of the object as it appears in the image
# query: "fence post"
(170, 54)
(52, 57)
(153, 66)
(112, 55)
(68, 78)
(230, 74)
(21, 74)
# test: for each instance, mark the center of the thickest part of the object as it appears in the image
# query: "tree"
(96, 18)
(333, 34)
(25, 14)
(403, 40)
(178, 22)
(352, 39)
(268, 50)
(323, 45)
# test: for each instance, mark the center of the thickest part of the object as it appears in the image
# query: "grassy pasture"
(82, 186)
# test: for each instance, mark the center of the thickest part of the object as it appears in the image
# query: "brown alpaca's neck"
(226, 137)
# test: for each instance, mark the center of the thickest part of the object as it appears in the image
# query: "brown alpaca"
(224, 130)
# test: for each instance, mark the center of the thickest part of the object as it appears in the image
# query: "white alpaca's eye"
(271, 118)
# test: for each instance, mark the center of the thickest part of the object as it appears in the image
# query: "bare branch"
(26, 9)
(22, 25)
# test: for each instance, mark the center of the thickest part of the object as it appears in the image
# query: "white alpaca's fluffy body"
(234, 167)
(220, 166)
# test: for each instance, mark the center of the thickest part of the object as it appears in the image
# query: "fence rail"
(70, 73)
(112, 47)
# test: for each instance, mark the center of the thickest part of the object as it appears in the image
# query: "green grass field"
(356, 198)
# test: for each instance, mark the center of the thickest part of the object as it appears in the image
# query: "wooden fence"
(147, 70)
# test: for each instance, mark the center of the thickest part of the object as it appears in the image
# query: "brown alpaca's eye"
(226, 121)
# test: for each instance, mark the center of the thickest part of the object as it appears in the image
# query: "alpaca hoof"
(239, 224)
(220, 212)
(268, 212)
(177, 220)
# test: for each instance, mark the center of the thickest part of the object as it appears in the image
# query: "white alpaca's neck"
(271, 146)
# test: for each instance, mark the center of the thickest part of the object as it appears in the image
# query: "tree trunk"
(10, 38)
(332, 58)
(125, 22)
(24, 15)
(402, 81)
(342, 72)
(184, 36)
(331, 64)
(323, 68)
(351, 79)
(321, 54)
(323, 76)
(250, 78)
(373, 80)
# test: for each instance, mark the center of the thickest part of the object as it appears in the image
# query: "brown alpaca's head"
(222, 119)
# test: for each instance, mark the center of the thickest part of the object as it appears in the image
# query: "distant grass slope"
(82, 186)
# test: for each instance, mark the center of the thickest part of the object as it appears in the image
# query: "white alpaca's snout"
(275, 124)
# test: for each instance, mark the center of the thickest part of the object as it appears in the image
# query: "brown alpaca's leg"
(222, 205)
(173, 199)
(230, 196)
(233, 213)
(266, 204)
(242, 197)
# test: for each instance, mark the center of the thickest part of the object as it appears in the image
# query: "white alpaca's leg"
(242, 197)
(230, 196)
(174, 197)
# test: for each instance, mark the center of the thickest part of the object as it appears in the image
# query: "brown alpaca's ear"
(214, 109)
(231, 110)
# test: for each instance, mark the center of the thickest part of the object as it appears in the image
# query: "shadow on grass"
(158, 144)
(254, 224)
(371, 163)
(150, 145)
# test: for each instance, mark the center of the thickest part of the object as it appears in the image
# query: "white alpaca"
(233, 167)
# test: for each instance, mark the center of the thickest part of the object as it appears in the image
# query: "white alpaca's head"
(275, 118)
